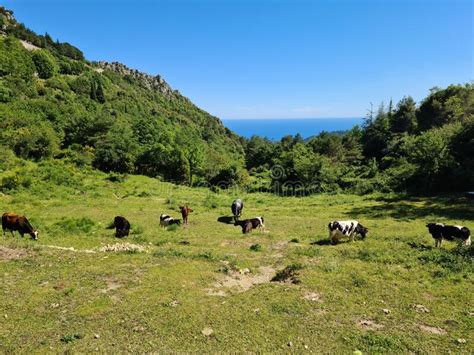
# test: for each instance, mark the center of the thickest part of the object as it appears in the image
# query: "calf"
(440, 231)
(237, 207)
(185, 211)
(338, 229)
(122, 227)
(14, 222)
(166, 220)
(249, 224)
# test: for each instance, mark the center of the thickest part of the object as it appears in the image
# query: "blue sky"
(273, 58)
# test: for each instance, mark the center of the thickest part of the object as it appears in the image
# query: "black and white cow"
(237, 207)
(338, 229)
(440, 231)
(122, 227)
(249, 224)
(166, 220)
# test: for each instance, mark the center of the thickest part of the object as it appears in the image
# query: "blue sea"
(275, 129)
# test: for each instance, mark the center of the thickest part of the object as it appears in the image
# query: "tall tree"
(403, 119)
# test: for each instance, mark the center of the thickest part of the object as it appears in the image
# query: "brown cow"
(13, 222)
(185, 211)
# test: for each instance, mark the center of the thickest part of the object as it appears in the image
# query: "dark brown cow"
(185, 211)
(13, 222)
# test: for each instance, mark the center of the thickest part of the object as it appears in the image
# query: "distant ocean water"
(275, 129)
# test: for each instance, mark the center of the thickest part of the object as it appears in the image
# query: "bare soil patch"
(432, 330)
(312, 296)
(238, 281)
(12, 254)
(369, 324)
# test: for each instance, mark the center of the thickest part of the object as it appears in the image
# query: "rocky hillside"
(56, 104)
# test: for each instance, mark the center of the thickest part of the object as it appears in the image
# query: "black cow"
(237, 207)
(122, 227)
(249, 224)
(440, 231)
(13, 222)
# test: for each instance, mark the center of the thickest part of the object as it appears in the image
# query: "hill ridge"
(151, 82)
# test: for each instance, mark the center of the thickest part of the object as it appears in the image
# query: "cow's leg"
(351, 236)
(467, 242)
(438, 242)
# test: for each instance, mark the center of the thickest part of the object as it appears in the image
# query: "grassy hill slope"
(54, 102)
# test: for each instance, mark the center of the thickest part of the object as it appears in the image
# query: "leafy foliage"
(53, 103)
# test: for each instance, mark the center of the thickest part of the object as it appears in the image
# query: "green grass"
(83, 299)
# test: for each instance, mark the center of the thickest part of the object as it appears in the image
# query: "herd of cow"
(337, 229)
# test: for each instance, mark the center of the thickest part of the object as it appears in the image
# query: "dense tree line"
(55, 105)
(425, 148)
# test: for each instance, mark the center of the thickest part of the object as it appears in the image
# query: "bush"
(116, 177)
(5, 93)
(45, 64)
(29, 139)
(58, 173)
(256, 247)
(229, 177)
(14, 181)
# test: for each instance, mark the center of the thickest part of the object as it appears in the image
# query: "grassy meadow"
(206, 287)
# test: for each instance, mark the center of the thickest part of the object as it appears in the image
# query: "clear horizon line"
(288, 118)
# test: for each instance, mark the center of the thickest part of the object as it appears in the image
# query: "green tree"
(195, 157)
(117, 150)
(259, 152)
(403, 120)
(45, 64)
(376, 135)
(432, 156)
(453, 104)
(29, 138)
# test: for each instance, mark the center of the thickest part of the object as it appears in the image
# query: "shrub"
(45, 64)
(58, 173)
(30, 139)
(256, 247)
(14, 181)
(5, 93)
(116, 177)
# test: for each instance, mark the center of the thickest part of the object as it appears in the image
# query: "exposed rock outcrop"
(156, 83)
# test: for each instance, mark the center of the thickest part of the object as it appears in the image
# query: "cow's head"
(185, 209)
(432, 227)
(362, 231)
(34, 234)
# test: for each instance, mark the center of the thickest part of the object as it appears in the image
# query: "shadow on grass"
(419, 246)
(404, 208)
(226, 219)
(321, 242)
